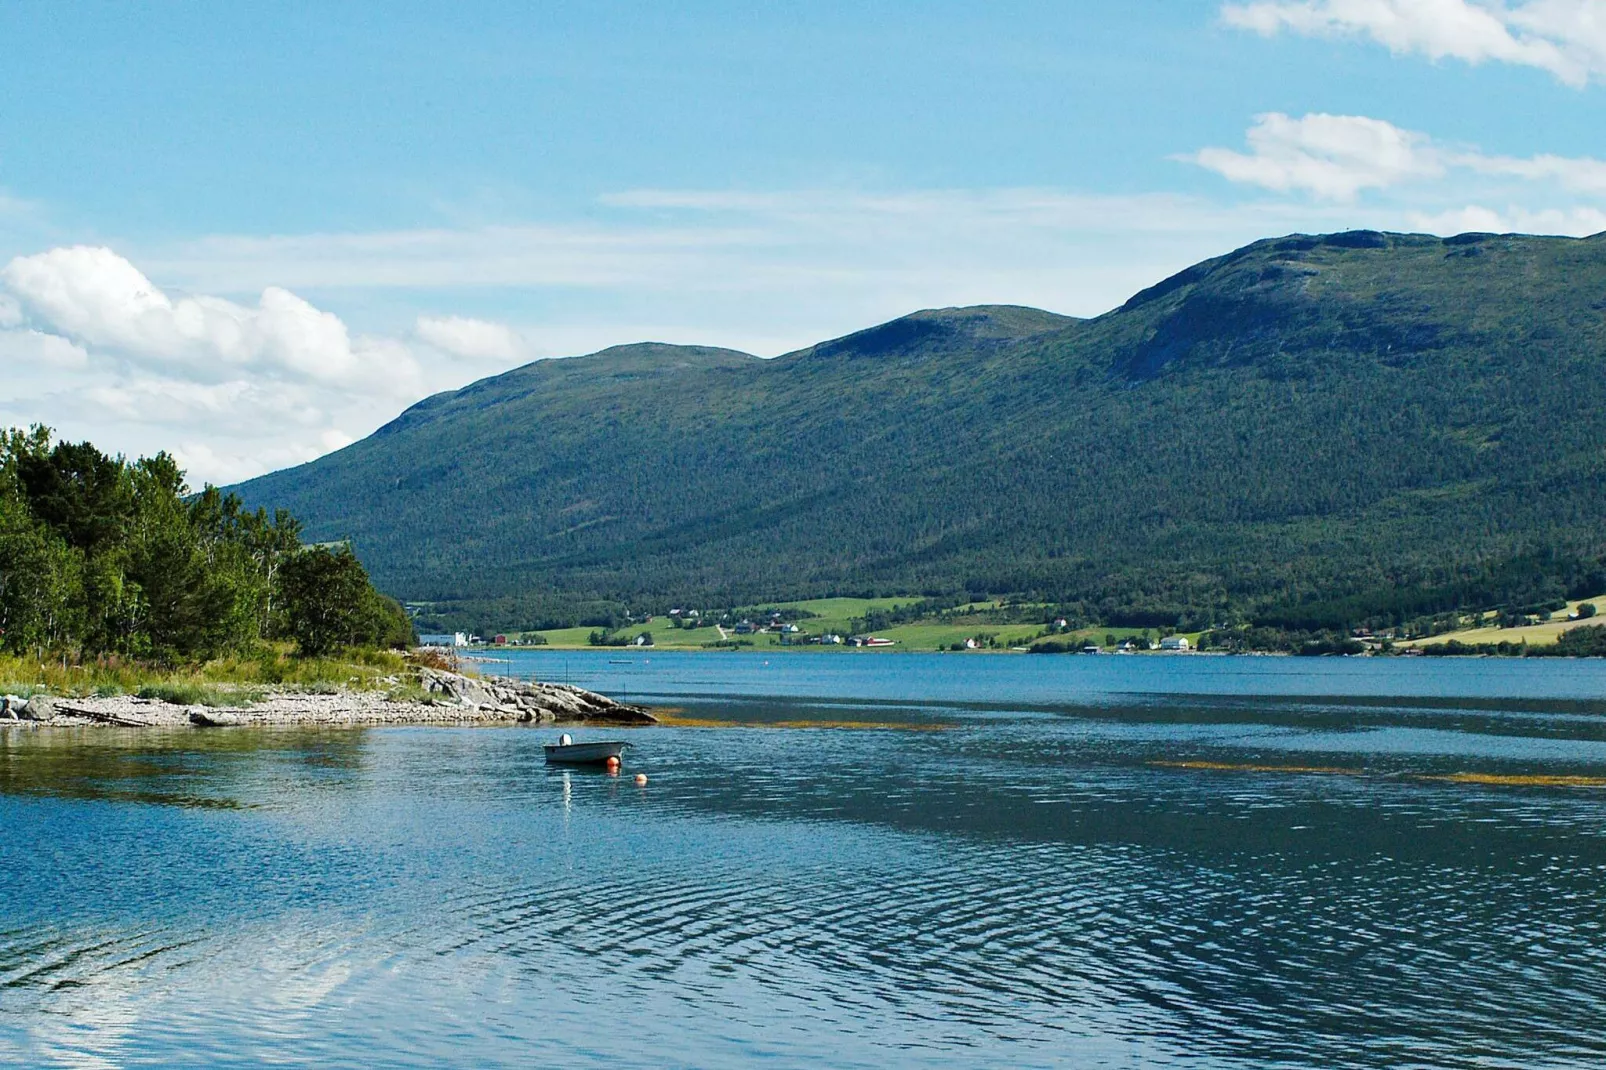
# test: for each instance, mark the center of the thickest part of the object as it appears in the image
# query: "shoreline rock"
(453, 700)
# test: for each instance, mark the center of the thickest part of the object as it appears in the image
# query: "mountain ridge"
(1308, 417)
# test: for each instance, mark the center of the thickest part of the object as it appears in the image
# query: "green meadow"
(839, 616)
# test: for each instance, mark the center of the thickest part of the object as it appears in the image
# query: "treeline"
(104, 556)
(1537, 582)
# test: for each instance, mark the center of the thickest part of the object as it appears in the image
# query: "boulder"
(530, 701)
(205, 718)
(453, 689)
(15, 707)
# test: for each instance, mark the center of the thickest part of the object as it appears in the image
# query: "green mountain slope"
(1305, 420)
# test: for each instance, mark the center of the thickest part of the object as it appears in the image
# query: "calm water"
(845, 860)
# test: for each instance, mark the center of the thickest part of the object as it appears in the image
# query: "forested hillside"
(1308, 432)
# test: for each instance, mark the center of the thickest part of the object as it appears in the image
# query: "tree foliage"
(329, 603)
(99, 555)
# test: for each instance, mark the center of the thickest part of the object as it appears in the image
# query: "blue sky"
(251, 233)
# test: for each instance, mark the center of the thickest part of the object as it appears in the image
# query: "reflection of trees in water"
(179, 767)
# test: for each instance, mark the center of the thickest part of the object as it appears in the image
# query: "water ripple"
(1139, 886)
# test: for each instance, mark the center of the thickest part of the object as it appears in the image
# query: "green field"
(663, 635)
(830, 614)
(1544, 634)
(835, 615)
(940, 636)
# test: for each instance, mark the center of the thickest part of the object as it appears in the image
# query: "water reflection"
(1264, 882)
(181, 767)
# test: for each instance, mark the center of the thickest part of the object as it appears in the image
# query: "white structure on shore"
(1174, 642)
(454, 639)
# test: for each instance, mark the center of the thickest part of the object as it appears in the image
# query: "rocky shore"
(452, 699)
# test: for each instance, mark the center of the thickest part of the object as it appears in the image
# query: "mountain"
(1310, 421)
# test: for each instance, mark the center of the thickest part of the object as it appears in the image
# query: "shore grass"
(227, 680)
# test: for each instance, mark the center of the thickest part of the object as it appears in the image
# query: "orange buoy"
(641, 780)
(613, 765)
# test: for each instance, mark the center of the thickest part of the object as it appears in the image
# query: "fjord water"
(844, 860)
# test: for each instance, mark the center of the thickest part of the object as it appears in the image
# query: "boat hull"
(584, 753)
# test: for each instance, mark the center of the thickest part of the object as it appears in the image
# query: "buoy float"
(613, 765)
(641, 780)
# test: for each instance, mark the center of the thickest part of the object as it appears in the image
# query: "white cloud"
(470, 338)
(1576, 222)
(22, 350)
(88, 344)
(1579, 175)
(99, 298)
(1333, 156)
(1564, 37)
(1336, 157)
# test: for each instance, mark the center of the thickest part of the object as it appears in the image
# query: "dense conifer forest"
(1312, 432)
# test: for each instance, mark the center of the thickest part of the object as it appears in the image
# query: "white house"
(454, 639)
(1174, 642)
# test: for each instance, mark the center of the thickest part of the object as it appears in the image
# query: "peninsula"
(443, 698)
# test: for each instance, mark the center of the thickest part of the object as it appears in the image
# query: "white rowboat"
(595, 753)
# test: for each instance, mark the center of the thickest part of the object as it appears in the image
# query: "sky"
(252, 233)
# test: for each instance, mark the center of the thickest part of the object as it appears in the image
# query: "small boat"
(566, 752)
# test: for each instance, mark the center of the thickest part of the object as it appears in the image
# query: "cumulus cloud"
(1336, 157)
(1564, 37)
(470, 338)
(30, 356)
(90, 345)
(97, 297)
